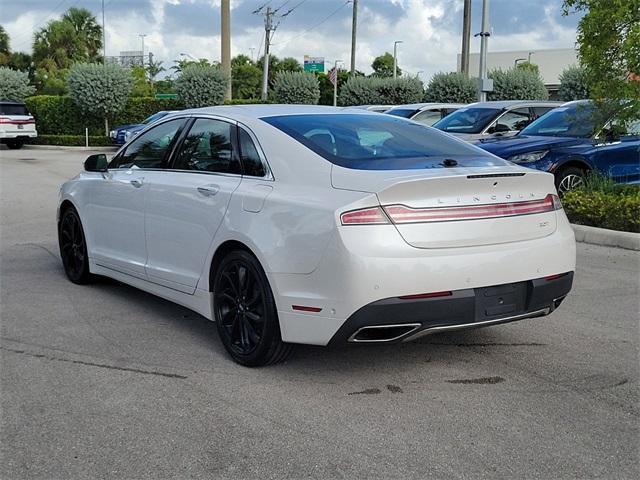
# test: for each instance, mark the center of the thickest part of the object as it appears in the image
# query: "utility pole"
(104, 38)
(395, 58)
(466, 37)
(225, 54)
(142, 35)
(268, 28)
(354, 28)
(486, 85)
(335, 83)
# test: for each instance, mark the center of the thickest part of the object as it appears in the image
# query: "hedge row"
(71, 140)
(58, 115)
(616, 209)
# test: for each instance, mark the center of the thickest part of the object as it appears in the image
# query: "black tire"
(568, 178)
(15, 144)
(73, 247)
(245, 312)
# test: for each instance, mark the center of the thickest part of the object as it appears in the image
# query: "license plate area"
(501, 301)
(20, 126)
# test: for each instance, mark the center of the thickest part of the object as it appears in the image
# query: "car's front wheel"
(569, 178)
(73, 247)
(245, 312)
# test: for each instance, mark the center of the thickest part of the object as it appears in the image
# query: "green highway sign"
(313, 64)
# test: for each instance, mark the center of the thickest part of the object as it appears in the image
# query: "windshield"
(154, 117)
(13, 109)
(468, 120)
(379, 142)
(572, 121)
(402, 112)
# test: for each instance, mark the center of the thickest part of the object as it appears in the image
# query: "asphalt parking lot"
(107, 381)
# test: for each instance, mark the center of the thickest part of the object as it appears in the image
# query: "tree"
(87, 30)
(141, 86)
(100, 90)
(289, 64)
(296, 88)
(573, 84)
(453, 87)
(201, 85)
(383, 66)
(14, 85)
(326, 87)
(181, 64)
(246, 80)
(5, 50)
(154, 69)
(609, 50)
(517, 84)
(531, 67)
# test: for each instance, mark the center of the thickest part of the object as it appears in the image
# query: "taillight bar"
(8, 121)
(401, 214)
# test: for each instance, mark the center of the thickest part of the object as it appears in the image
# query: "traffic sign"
(313, 64)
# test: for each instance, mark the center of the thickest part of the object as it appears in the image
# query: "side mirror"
(96, 163)
(499, 128)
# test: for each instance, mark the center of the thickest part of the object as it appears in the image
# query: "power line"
(293, 8)
(316, 25)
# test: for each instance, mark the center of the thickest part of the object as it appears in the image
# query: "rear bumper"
(18, 134)
(396, 320)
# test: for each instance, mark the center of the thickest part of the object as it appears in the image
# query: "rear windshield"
(379, 142)
(13, 109)
(402, 112)
(468, 120)
(572, 121)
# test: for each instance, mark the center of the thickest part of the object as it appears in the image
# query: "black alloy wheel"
(73, 247)
(245, 312)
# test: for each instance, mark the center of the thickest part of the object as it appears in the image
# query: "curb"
(73, 149)
(607, 238)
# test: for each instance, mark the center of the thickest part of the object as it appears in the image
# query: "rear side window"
(13, 109)
(207, 147)
(378, 142)
(428, 117)
(151, 149)
(251, 161)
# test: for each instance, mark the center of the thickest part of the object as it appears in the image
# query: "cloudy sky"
(430, 29)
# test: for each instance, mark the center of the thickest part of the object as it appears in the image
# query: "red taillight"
(8, 121)
(303, 308)
(400, 214)
(364, 216)
(425, 295)
(554, 277)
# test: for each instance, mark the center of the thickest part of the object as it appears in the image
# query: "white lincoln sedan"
(296, 224)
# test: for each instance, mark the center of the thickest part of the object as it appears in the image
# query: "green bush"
(380, 91)
(14, 85)
(201, 86)
(100, 90)
(61, 116)
(603, 203)
(71, 140)
(453, 87)
(296, 88)
(573, 84)
(517, 84)
(243, 101)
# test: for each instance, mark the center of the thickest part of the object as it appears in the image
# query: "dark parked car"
(121, 134)
(567, 143)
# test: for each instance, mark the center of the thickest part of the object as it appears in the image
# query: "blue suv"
(565, 142)
(122, 133)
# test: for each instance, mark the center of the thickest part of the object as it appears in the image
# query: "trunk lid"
(460, 207)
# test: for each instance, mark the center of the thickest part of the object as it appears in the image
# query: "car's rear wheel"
(73, 247)
(569, 178)
(15, 144)
(245, 312)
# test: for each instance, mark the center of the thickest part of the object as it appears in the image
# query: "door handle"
(136, 182)
(208, 190)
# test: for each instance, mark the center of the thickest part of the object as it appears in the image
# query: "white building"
(551, 63)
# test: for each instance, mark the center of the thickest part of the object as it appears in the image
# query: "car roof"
(515, 104)
(272, 110)
(420, 106)
(11, 102)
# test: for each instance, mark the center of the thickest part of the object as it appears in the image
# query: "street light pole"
(354, 27)
(142, 35)
(104, 38)
(484, 38)
(335, 84)
(225, 44)
(395, 58)
(466, 35)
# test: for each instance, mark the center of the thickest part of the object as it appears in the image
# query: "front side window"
(468, 120)
(379, 142)
(428, 117)
(513, 120)
(151, 149)
(251, 161)
(207, 147)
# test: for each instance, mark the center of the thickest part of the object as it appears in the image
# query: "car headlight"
(528, 157)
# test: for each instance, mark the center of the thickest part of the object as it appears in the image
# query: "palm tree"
(87, 29)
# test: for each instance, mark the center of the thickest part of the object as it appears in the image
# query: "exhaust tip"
(383, 333)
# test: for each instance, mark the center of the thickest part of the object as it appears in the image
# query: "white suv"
(16, 124)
